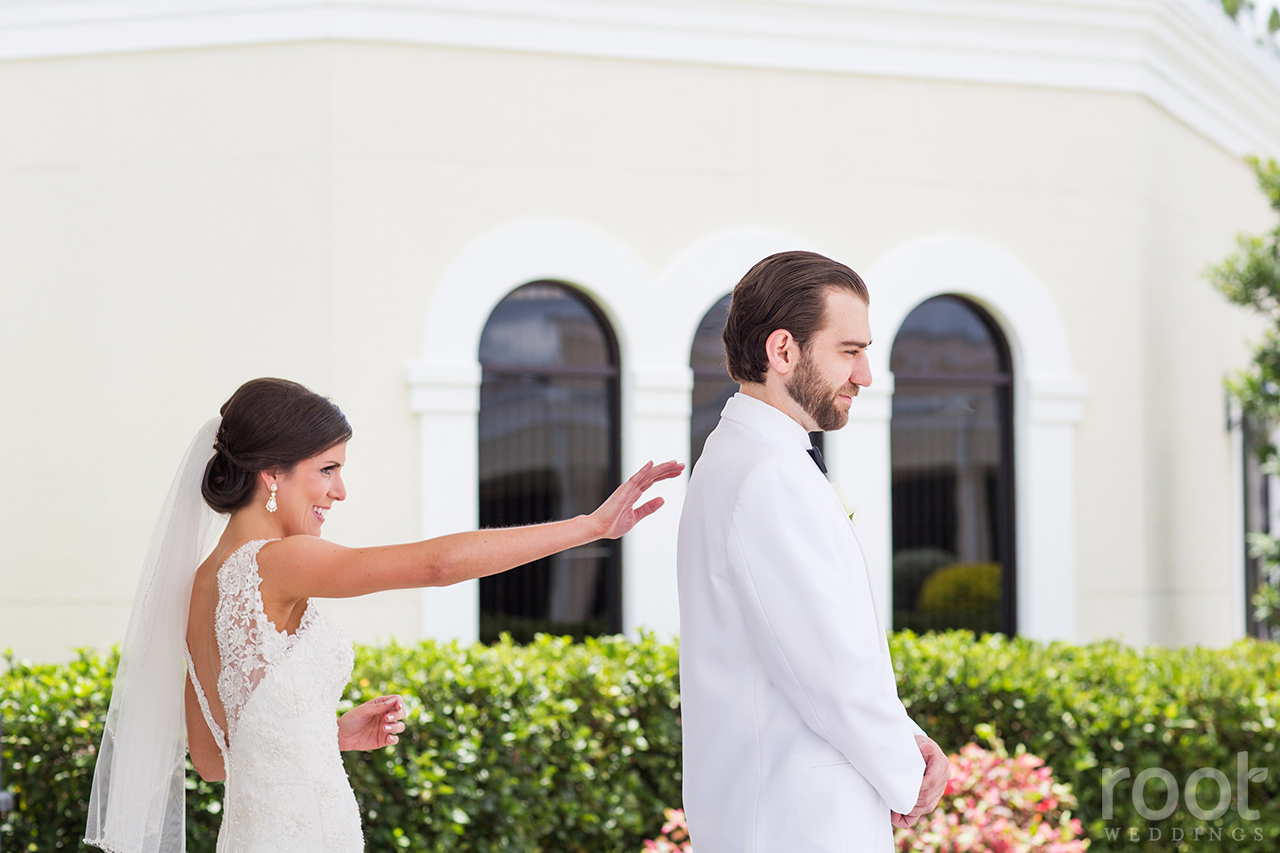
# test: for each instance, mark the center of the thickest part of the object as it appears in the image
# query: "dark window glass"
(1257, 512)
(549, 450)
(712, 386)
(952, 448)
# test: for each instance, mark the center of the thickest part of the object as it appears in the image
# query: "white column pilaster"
(858, 457)
(447, 401)
(656, 410)
(1045, 438)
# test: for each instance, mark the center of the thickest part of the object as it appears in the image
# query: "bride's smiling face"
(307, 492)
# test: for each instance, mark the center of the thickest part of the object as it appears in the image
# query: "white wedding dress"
(286, 789)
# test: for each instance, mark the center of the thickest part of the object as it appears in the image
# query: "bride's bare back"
(283, 613)
(276, 728)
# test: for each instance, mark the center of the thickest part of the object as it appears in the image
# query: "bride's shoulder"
(291, 550)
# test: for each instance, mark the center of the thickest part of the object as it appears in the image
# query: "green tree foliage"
(1250, 277)
(1233, 8)
(1245, 14)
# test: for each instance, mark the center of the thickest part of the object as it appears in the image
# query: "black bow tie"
(816, 455)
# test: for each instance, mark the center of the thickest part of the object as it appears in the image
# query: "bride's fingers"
(397, 702)
(638, 477)
(651, 473)
(656, 473)
(666, 471)
(647, 509)
(622, 502)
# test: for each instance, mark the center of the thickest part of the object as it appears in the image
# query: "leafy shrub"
(560, 747)
(911, 568)
(961, 586)
(994, 802)
(959, 595)
(555, 746)
(53, 715)
(997, 802)
(1090, 708)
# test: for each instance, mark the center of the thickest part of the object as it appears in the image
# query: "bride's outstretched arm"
(304, 566)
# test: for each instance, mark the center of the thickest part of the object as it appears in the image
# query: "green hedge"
(1088, 709)
(554, 746)
(561, 747)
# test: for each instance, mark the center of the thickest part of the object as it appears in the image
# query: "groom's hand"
(937, 771)
(372, 725)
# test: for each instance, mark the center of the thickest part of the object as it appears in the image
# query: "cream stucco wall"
(1189, 339)
(175, 222)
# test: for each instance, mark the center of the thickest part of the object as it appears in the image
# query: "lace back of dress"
(243, 633)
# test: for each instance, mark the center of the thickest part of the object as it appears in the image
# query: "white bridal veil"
(138, 803)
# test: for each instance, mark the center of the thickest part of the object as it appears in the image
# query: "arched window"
(549, 449)
(712, 385)
(952, 459)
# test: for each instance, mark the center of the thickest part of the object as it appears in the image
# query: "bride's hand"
(619, 514)
(373, 725)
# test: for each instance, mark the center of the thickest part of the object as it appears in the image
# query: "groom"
(794, 736)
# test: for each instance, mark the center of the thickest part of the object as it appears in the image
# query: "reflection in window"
(1257, 519)
(548, 430)
(712, 385)
(952, 458)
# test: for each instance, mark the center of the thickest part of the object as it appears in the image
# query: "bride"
(264, 669)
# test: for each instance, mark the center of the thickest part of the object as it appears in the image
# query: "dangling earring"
(271, 501)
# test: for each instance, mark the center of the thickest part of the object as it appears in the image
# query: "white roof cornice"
(1184, 55)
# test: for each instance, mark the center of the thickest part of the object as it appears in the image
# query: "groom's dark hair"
(784, 291)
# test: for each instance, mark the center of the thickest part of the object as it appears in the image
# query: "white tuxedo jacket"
(795, 740)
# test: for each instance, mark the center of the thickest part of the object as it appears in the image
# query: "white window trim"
(1048, 403)
(445, 381)
(654, 319)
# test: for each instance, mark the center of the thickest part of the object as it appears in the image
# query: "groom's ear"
(782, 351)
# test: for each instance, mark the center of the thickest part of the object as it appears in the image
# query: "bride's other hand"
(372, 725)
(619, 514)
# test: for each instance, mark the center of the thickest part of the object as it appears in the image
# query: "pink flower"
(994, 803)
(998, 803)
(674, 837)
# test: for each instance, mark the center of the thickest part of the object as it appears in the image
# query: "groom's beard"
(816, 397)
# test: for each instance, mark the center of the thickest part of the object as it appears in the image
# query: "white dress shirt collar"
(771, 421)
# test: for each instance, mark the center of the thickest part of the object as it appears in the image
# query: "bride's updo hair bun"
(268, 424)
